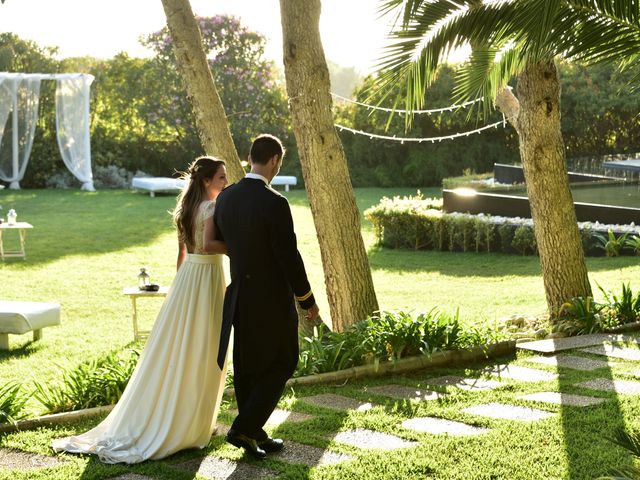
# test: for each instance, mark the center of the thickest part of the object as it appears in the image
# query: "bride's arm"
(182, 254)
(210, 244)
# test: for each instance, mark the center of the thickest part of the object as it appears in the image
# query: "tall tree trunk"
(211, 120)
(537, 120)
(324, 167)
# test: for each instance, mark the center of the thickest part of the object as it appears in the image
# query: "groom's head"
(266, 155)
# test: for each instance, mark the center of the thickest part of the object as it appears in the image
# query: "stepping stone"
(278, 417)
(337, 402)
(464, 383)
(508, 412)
(370, 439)
(306, 454)
(614, 351)
(131, 476)
(557, 344)
(571, 361)
(222, 469)
(608, 385)
(563, 399)
(404, 392)
(439, 425)
(524, 374)
(19, 460)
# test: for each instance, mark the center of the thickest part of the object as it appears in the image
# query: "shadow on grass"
(85, 223)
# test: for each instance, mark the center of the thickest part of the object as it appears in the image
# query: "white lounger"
(166, 184)
(17, 318)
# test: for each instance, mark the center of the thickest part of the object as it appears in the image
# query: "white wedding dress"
(172, 400)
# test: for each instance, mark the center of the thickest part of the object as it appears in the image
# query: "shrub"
(581, 316)
(524, 240)
(625, 308)
(91, 384)
(611, 244)
(12, 402)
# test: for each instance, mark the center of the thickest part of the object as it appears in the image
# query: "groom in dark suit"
(266, 273)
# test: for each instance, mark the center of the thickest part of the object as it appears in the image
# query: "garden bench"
(17, 318)
(167, 184)
(285, 180)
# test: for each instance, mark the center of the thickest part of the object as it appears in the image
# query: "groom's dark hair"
(264, 147)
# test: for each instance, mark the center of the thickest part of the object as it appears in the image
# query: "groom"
(266, 273)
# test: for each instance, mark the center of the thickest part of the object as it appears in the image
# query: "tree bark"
(347, 273)
(211, 120)
(536, 118)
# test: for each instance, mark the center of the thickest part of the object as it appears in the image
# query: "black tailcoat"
(267, 271)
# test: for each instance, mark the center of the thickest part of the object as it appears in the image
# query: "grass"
(570, 445)
(86, 247)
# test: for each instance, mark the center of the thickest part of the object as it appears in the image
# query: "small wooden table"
(134, 293)
(20, 227)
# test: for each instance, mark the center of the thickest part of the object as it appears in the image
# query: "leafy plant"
(581, 316)
(626, 307)
(92, 384)
(524, 240)
(630, 441)
(12, 401)
(634, 244)
(326, 352)
(611, 244)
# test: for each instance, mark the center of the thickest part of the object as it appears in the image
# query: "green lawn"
(86, 247)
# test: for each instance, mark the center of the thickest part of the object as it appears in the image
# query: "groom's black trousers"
(257, 394)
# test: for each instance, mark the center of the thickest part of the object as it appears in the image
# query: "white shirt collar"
(257, 176)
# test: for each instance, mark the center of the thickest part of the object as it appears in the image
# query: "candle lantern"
(144, 280)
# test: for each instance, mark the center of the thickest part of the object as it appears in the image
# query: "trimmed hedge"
(420, 224)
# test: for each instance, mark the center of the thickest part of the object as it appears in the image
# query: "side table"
(20, 227)
(134, 293)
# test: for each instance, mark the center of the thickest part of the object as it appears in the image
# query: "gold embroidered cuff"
(304, 297)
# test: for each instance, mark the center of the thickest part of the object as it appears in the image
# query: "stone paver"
(404, 392)
(614, 351)
(571, 361)
(371, 439)
(222, 469)
(278, 417)
(608, 385)
(18, 460)
(306, 454)
(464, 383)
(131, 476)
(557, 344)
(563, 399)
(337, 402)
(440, 425)
(523, 374)
(508, 412)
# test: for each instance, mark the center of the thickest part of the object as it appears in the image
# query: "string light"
(428, 112)
(420, 140)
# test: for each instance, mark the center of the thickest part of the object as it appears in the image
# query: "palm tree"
(520, 38)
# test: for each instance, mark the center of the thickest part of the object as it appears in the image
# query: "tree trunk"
(324, 167)
(211, 120)
(537, 121)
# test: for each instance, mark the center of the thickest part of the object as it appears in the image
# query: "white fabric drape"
(20, 96)
(72, 123)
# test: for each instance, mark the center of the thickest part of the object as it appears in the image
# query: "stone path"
(361, 439)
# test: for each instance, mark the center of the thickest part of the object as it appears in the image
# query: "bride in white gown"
(172, 400)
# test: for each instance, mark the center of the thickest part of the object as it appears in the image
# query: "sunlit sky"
(352, 32)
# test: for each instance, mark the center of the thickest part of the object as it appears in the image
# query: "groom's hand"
(312, 313)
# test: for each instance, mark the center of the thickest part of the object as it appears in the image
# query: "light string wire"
(392, 110)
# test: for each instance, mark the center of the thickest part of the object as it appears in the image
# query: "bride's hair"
(192, 195)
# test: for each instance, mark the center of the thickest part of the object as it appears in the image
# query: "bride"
(172, 399)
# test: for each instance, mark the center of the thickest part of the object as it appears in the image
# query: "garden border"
(404, 365)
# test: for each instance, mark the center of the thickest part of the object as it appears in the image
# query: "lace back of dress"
(205, 211)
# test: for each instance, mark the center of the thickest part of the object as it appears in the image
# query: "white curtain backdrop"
(72, 123)
(19, 94)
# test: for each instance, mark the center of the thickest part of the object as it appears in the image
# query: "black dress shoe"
(271, 445)
(249, 444)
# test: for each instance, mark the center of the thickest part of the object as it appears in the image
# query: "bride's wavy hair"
(192, 195)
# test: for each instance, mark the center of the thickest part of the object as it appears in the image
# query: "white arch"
(19, 96)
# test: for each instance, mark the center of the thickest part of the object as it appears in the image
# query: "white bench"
(285, 180)
(17, 318)
(167, 184)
